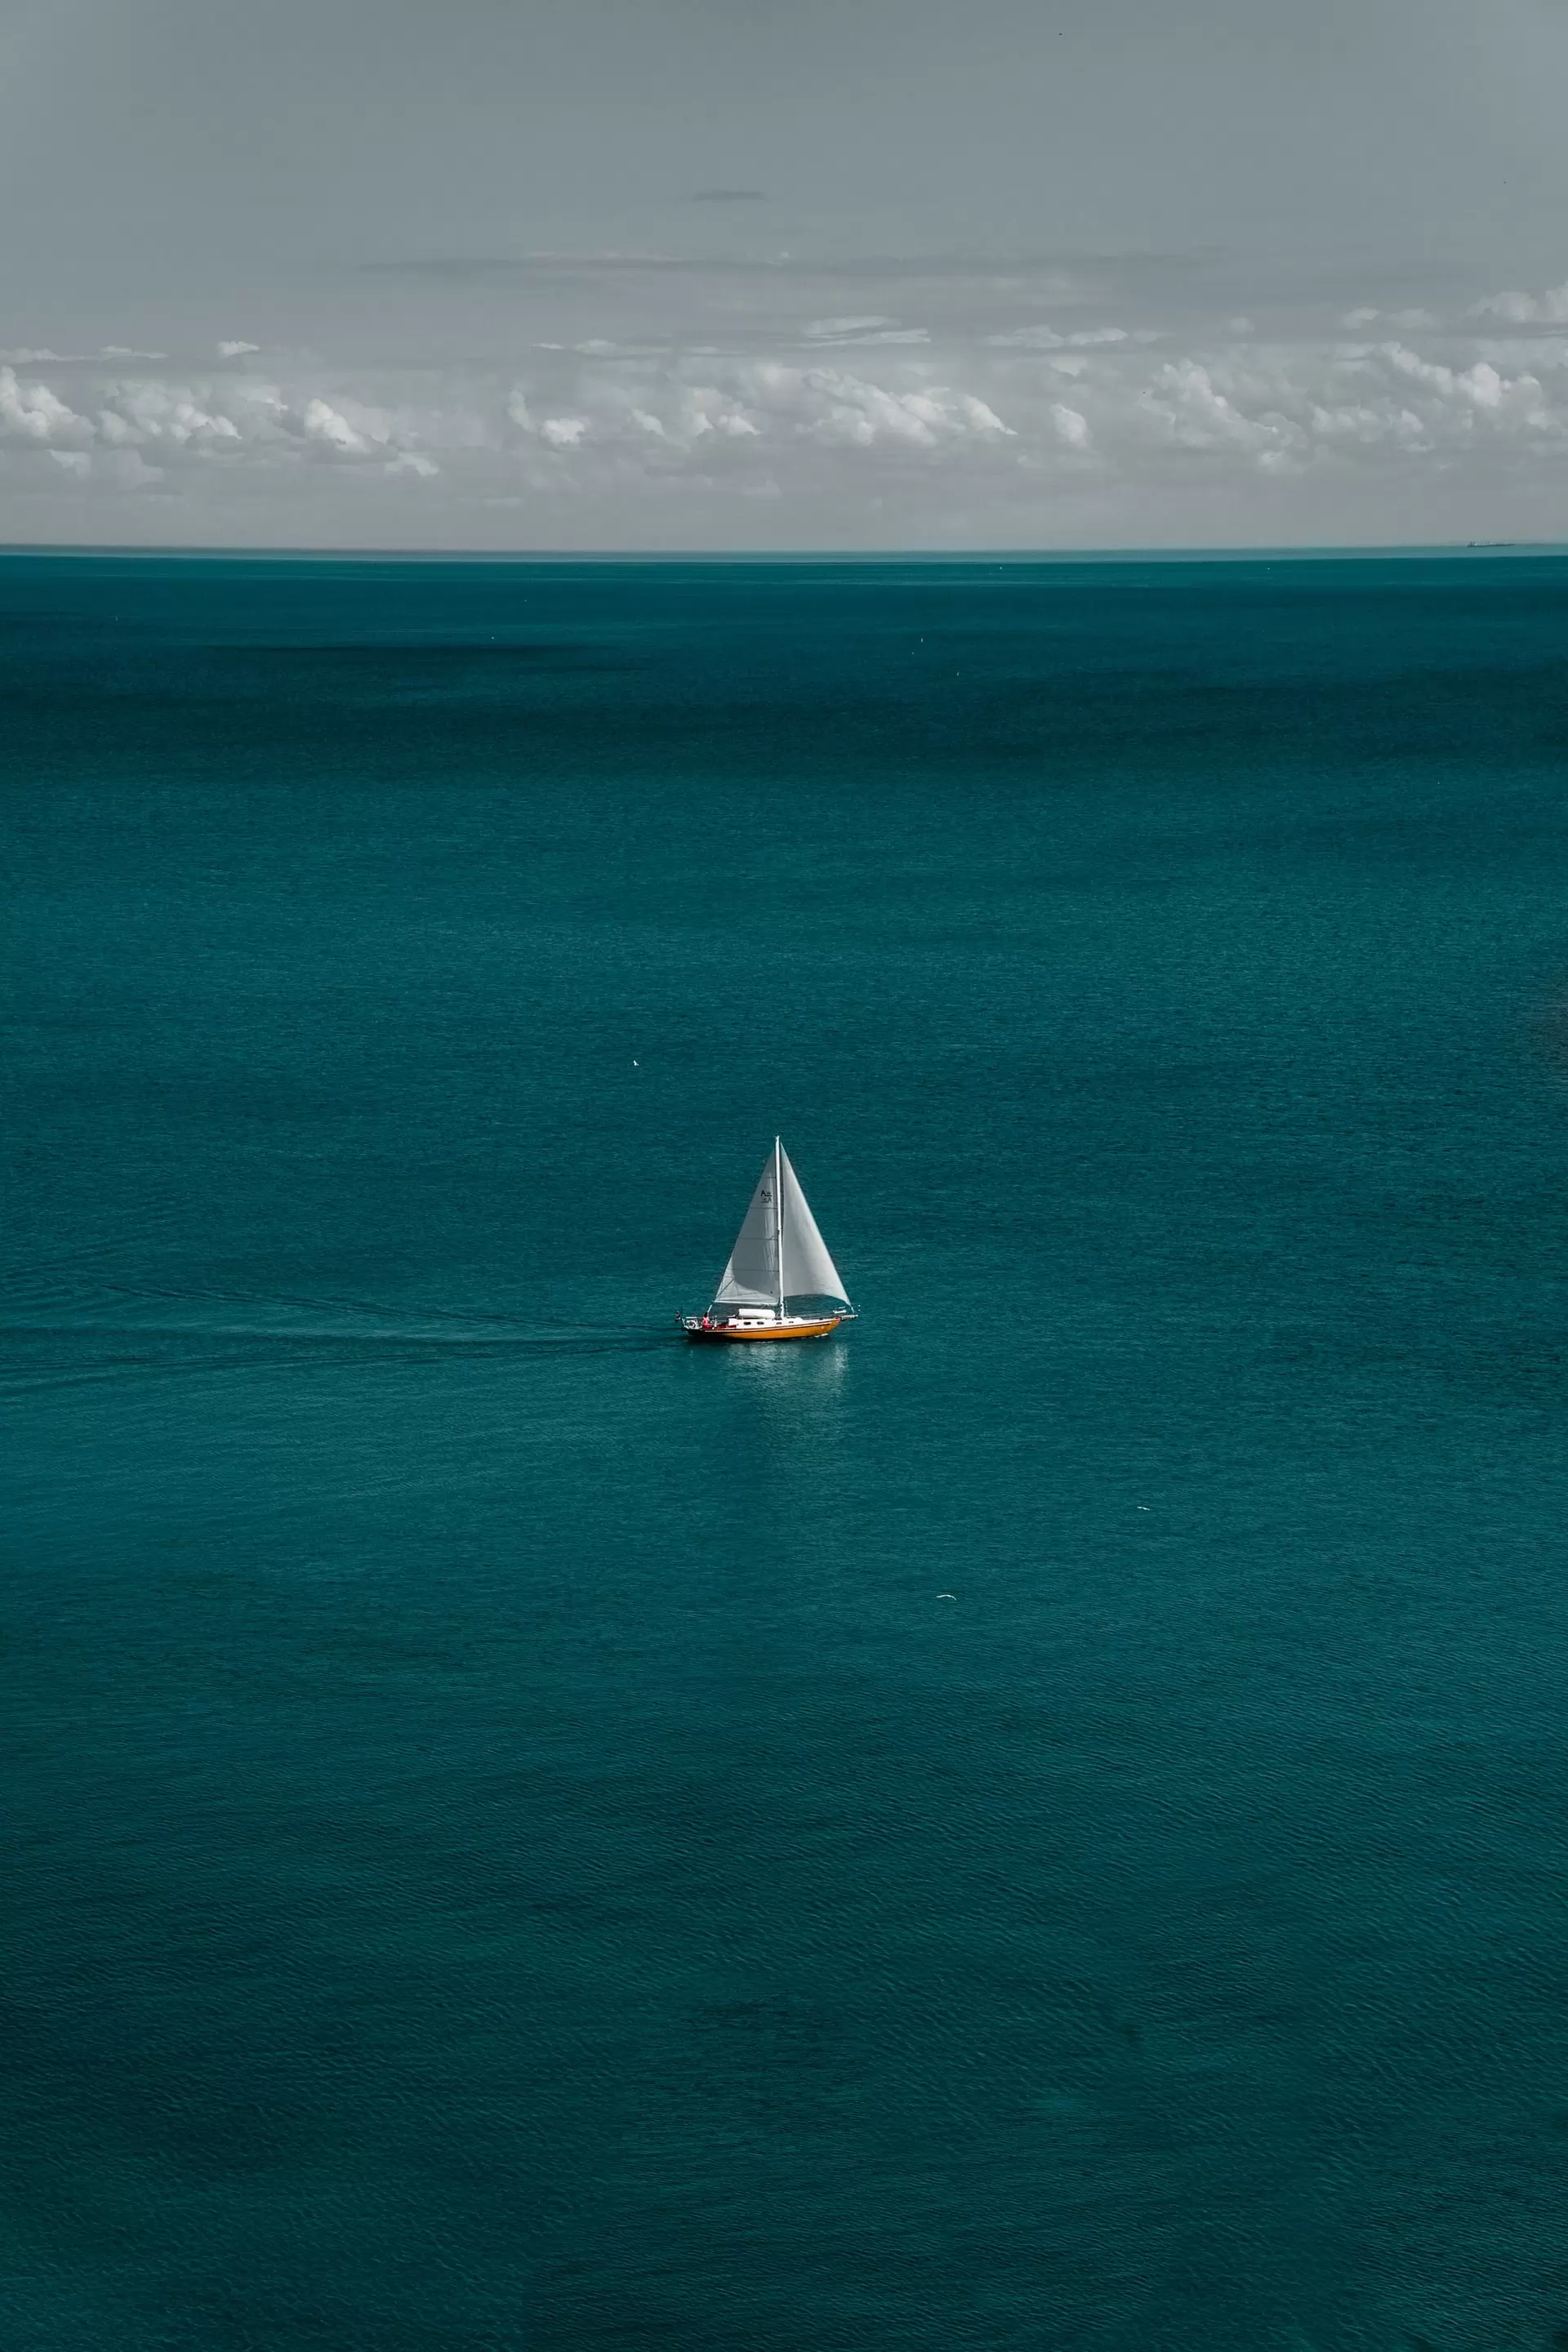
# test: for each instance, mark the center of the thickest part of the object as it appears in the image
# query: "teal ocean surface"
(508, 1847)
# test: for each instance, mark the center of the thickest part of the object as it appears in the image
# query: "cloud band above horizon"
(859, 428)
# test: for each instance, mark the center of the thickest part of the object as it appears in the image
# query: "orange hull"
(803, 1330)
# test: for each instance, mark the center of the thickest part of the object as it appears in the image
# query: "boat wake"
(62, 1323)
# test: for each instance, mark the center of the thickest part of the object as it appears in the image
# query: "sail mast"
(778, 1216)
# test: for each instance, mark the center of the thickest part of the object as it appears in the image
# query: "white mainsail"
(751, 1278)
(754, 1276)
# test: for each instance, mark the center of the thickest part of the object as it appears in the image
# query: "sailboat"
(779, 1255)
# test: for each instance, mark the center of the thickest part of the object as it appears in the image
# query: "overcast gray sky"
(699, 273)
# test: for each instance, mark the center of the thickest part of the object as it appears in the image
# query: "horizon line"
(1296, 552)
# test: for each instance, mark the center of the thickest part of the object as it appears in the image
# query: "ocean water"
(508, 1841)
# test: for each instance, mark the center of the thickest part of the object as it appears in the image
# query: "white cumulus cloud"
(1516, 310)
(1193, 411)
(31, 412)
(832, 405)
(583, 438)
(325, 423)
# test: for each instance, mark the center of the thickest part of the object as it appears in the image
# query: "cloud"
(1365, 317)
(237, 350)
(668, 418)
(170, 422)
(1191, 411)
(555, 432)
(1514, 309)
(835, 408)
(727, 196)
(708, 409)
(1041, 337)
(140, 414)
(876, 335)
(326, 424)
(32, 413)
(874, 329)
(582, 438)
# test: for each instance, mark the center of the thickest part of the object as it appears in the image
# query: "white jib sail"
(751, 1278)
(809, 1272)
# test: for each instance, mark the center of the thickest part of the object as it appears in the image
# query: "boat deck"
(791, 1327)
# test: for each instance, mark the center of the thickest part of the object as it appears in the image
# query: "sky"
(700, 274)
